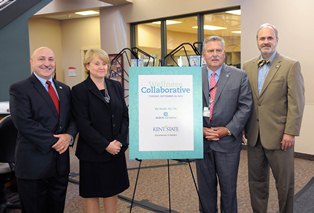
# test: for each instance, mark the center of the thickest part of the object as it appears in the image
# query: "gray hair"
(267, 25)
(214, 38)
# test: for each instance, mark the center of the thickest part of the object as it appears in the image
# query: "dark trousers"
(216, 166)
(2, 198)
(43, 195)
(282, 166)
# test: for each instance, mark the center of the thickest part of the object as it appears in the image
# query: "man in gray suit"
(278, 94)
(227, 102)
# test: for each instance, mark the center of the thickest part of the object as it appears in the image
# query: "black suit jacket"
(98, 122)
(36, 119)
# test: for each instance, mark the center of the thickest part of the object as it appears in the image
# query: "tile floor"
(152, 188)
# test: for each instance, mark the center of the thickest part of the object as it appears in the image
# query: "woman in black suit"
(102, 119)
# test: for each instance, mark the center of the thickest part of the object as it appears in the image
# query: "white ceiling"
(64, 9)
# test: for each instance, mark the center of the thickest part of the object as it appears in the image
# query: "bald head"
(43, 62)
(40, 50)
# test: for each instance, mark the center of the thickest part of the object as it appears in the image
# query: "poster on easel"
(165, 113)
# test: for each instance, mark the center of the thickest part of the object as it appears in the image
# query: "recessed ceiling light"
(168, 22)
(234, 12)
(211, 27)
(87, 13)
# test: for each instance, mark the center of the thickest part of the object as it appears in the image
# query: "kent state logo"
(166, 129)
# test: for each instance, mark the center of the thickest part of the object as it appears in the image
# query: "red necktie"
(212, 94)
(53, 95)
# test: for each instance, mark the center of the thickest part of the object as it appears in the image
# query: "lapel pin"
(227, 75)
(60, 87)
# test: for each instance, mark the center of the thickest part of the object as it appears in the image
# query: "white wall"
(115, 31)
(46, 32)
(68, 39)
(78, 35)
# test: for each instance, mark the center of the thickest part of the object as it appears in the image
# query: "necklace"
(107, 96)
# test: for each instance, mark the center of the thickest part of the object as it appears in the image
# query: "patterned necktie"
(53, 95)
(212, 94)
(263, 62)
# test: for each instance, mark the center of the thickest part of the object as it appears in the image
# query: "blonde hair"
(93, 53)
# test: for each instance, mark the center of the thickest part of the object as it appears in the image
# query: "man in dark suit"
(278, 94)
(227, 102)
(45, 131)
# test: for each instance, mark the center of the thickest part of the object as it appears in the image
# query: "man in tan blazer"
(278, 96)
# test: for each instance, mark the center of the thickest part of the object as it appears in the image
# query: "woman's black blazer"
(98, 122)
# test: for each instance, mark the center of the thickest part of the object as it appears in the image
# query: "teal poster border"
(134, 74)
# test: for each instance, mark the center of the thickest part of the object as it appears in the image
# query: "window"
(159, 41)
(227, 25)
(148, 39)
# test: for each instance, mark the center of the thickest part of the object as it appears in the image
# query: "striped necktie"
(212, 94)
(263, 62)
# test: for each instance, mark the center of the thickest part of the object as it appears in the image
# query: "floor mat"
(304, 199)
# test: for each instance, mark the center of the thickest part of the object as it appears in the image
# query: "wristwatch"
(229, 133)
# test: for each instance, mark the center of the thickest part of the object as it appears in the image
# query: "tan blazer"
(278, 109)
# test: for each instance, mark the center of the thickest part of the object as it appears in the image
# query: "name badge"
(206, 112)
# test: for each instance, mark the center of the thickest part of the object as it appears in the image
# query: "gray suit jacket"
(279, 107)
(233, 102)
